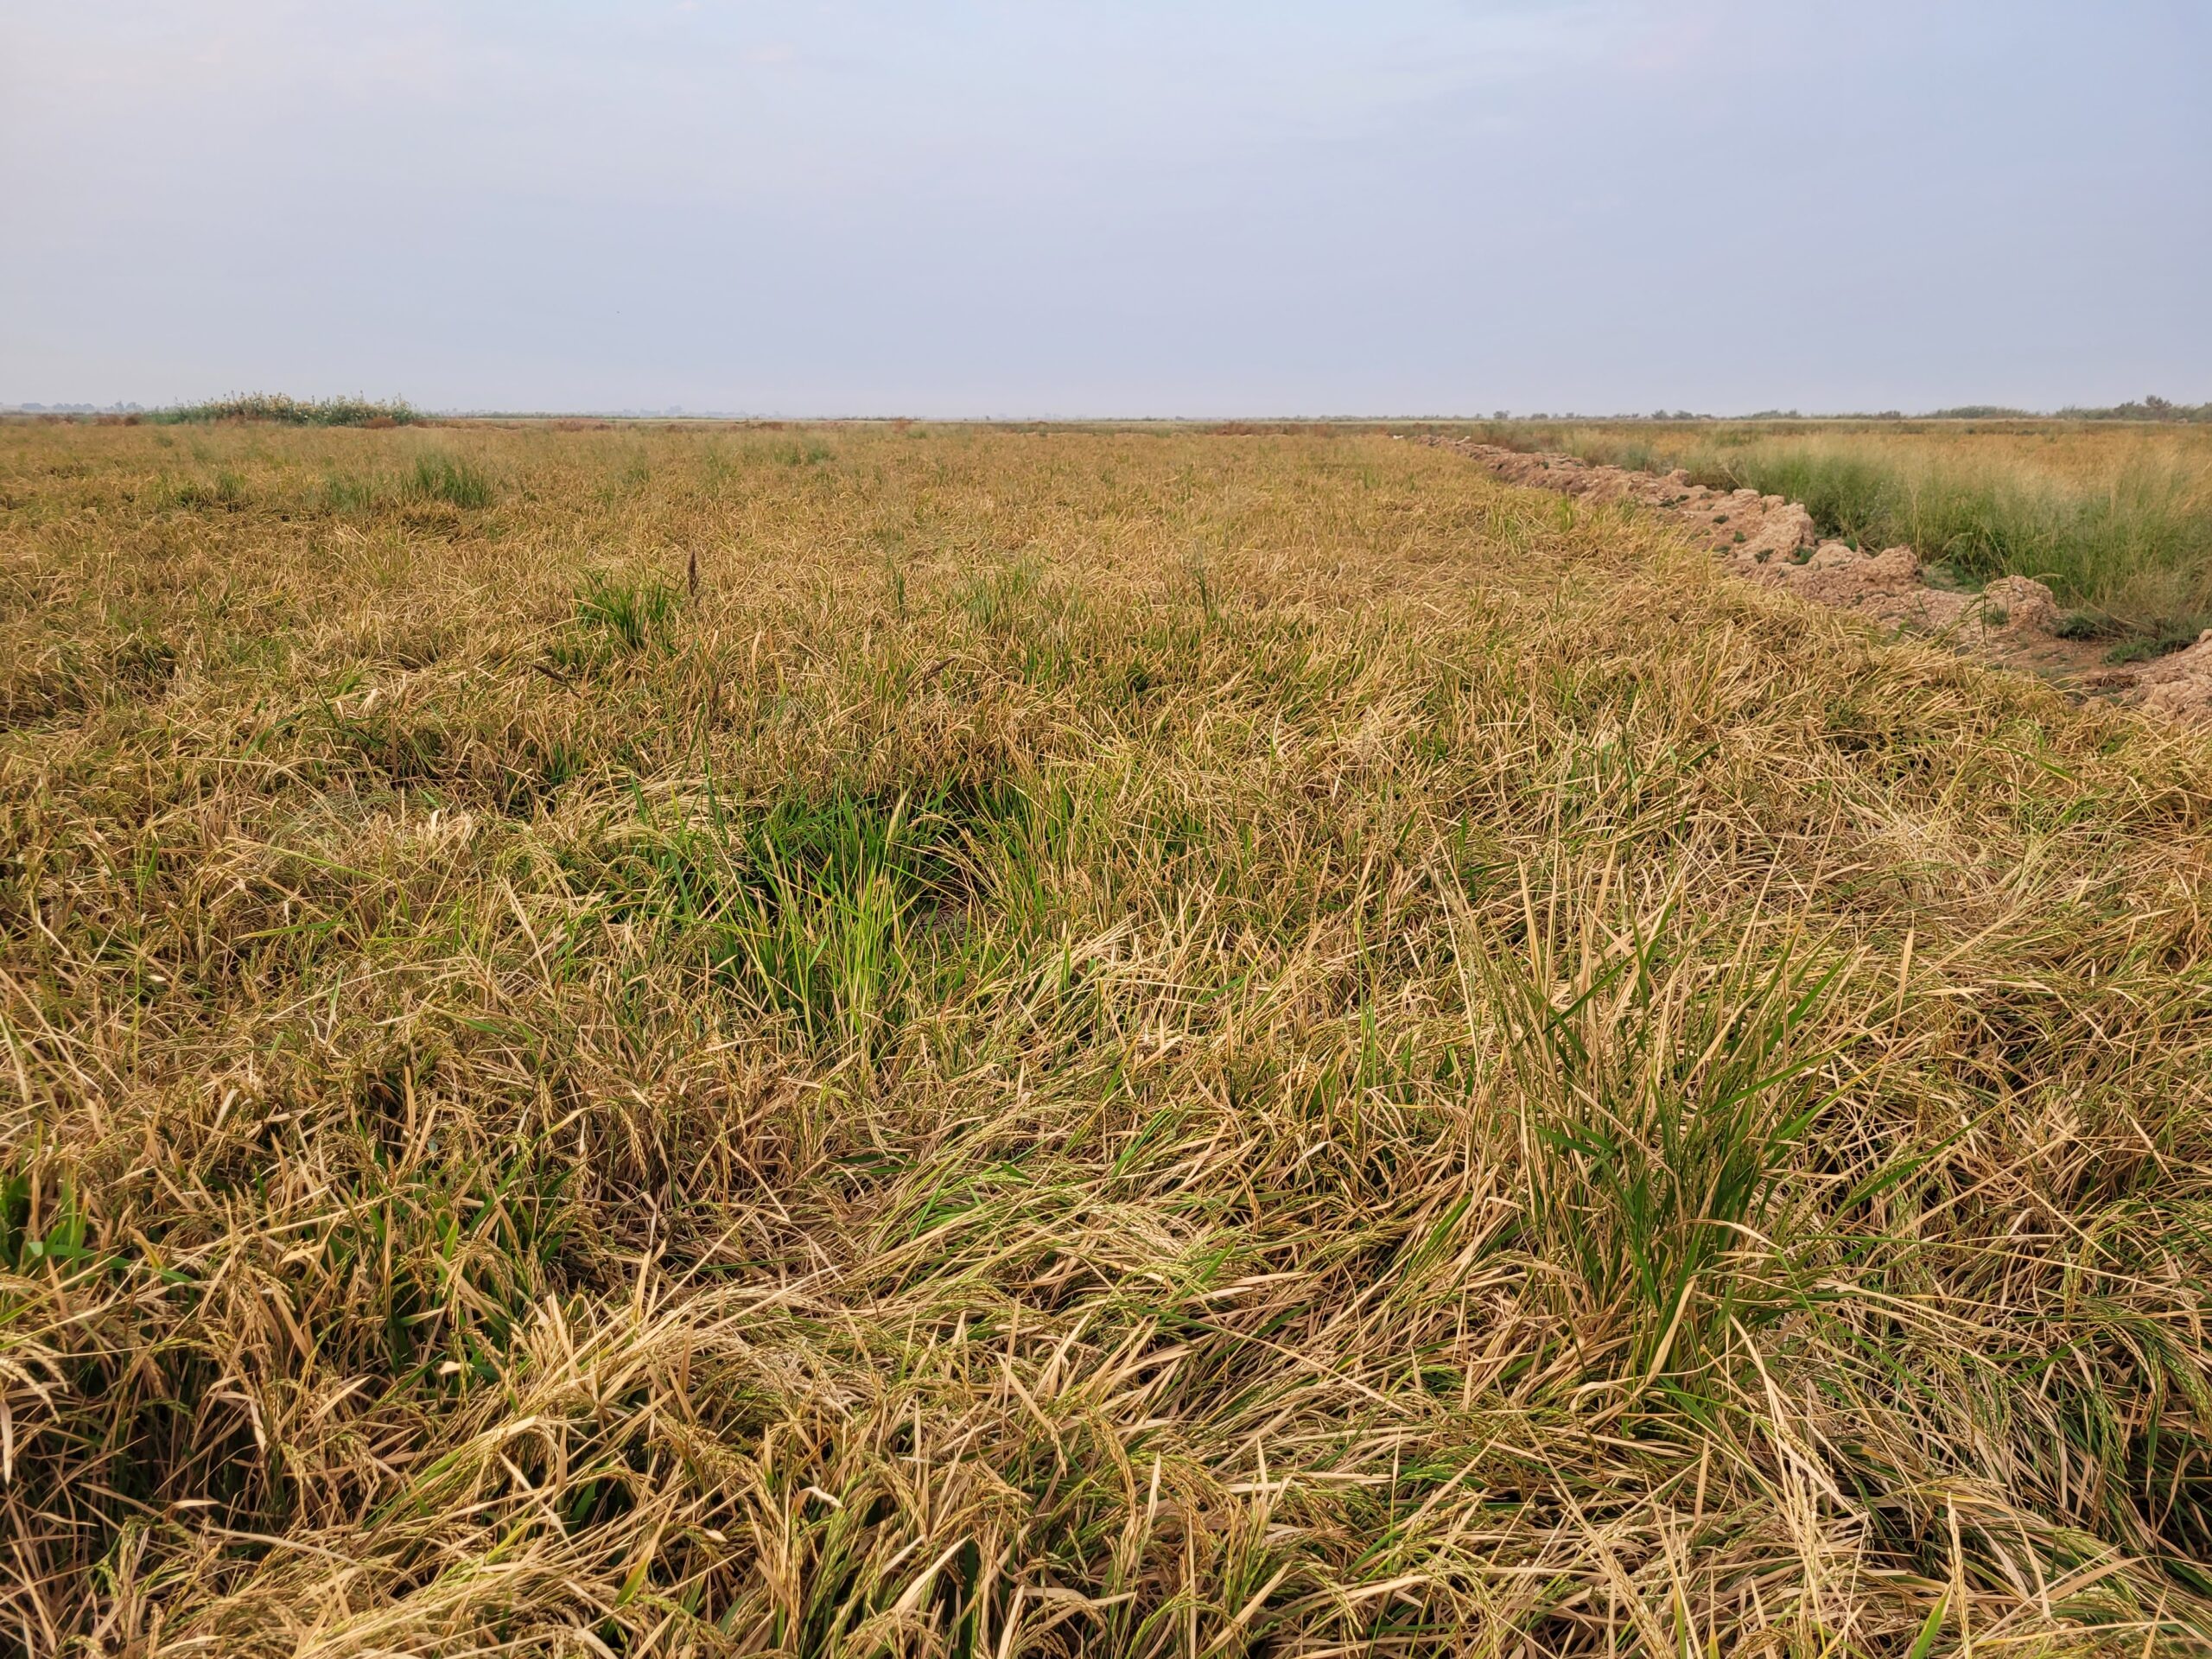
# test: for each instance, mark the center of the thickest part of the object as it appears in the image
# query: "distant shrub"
(277, 409)
(2152, 408)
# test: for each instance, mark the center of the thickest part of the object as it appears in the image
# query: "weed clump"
(228, 489)
(438, 476)
(344, 493)
(2169, 636)
(634, 613)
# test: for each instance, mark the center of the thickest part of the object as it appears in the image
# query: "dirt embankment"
(1772, 541)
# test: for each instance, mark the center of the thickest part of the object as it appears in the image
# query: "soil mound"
(1773, 541)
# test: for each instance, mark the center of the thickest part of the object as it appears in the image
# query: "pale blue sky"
(1077, 207)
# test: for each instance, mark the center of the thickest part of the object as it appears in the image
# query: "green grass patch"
(2170, 637)
(2135, 544)
(634, 613)
(439, 476)
(343, 492)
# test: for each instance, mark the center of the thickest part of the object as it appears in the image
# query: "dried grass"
(1121, 1043)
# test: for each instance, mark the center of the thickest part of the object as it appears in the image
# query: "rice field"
(977, 1041)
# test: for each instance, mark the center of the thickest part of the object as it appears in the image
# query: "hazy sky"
(1108, 206)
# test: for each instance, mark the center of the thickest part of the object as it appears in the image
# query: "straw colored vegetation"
(1121, 1043)
(2115, 516)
